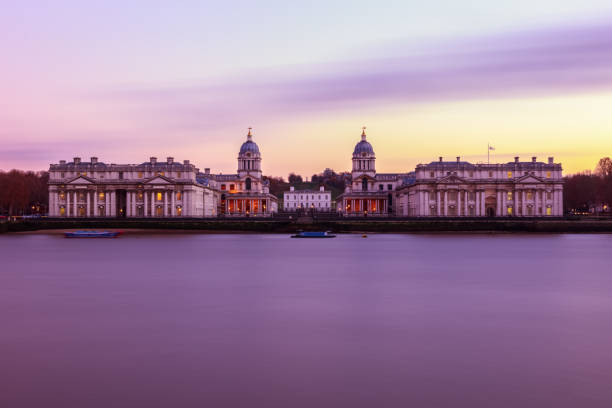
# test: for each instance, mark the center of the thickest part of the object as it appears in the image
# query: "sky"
(124, 81)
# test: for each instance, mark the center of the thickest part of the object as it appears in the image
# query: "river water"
(197, 320)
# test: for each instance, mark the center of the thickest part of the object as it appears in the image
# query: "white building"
(150, 189)
(245, 193)
(369, 193)
(462, 189)
(296, 200)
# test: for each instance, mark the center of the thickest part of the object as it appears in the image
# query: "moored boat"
(92, 234)
(313, 234)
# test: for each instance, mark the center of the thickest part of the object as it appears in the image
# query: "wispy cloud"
(548, 61)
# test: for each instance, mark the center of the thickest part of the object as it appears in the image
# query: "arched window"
(364, 184)
(248, 184)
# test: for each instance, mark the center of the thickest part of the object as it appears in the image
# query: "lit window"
(160, 173)
(222, 186)
(232, 187)
(529, 195)
(140, 195)
(179, 196)
(159, 196)
(140, 174)
(84, 173)
(62, 195)
(62, 211)
(101, 195)
(510, 210)
(548, 174)
(509, 195)
(548, 211)
(179, 210)
(509, 174)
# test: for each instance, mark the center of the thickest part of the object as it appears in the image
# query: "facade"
(150, 189)
(369, 193)
(462, 189)
(299, 200)
(245, 193)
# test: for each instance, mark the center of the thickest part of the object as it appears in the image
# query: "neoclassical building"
(462, 189)
(369, 193)
(150, 189)
(245, 193)
(296, 200)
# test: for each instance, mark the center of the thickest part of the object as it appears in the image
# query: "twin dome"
(249, 146)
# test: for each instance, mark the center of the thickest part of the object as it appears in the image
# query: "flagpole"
(488, 153)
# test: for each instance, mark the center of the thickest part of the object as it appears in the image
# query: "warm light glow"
(158, 196)
(179, 196)
(509, 174)
(510, 210)
(101, 196)
(548, 211)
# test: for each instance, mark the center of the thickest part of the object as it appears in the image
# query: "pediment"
(158, 180)
(452, 179)
(529, 179)
(81, 180)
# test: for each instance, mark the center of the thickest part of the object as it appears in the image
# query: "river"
(219, 320)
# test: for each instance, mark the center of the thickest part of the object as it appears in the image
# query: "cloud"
(558, 60)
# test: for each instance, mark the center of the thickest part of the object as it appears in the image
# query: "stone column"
(145, 208)
(67, 206)
(504, 205)
(483, 209)
(152, 203)
(536, 203)
(173, 204)
(128, 204)
(438, 203)
(134, 204)
(446, 203)
(465, 202)
(165, 203)
(458, 203)
(76, 207)
(523, 203)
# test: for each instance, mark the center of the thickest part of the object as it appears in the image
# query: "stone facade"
(369, 193)
(151, 189)
(319, 201)
(462, 189)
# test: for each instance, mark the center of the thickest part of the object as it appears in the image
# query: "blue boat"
(313, 234)
(92, 234)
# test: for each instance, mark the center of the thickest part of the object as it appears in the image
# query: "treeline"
(590, 190)
(23, 192)
(329, 179)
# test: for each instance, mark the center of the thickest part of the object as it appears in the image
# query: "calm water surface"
(195, 320)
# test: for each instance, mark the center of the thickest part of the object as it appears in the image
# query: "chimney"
(321, 188)
(207, 170)
(458, 159)
(291, 188)
(533, 159)
(516, 159)
(551, 160)
(440, 159)
(153, 160)
(185, 162)
(62, 161)
(94, 160)
(77, 160)
(170, 160)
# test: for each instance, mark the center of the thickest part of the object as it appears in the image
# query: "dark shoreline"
(337, 225)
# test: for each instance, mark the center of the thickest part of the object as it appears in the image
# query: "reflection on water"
(265, 321)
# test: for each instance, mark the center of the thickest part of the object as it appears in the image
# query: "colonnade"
(365, 205)
(246, 206)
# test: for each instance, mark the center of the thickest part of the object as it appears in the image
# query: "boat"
(92, 234)
(313, 234)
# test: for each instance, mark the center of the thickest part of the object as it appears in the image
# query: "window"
(548, 174)
(222, 186)
(140, 174)
(448, 173)
(471, 174)
(509, 197)
(509, 174)
(381, 187)
(160, 173)
(432, 195)
(140, 196)
(549, 195)
(179, 196)
(62, 175)
(158, 196)
(120, 175)
(81, 196)
(510, 210)
(101, 196)
(62, 211)
(179, 210)
(529, 195)
(84, 173)
(62, 195)
(178, 174)
(364, 184)
(248, 184)
(490, 174)
(232, 187)
(548, 211)
(431, 174)
(389, 186)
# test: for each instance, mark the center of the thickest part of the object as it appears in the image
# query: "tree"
(295, 178)
(604, 167)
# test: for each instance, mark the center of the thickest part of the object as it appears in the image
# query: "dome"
(363, 146)
(249, 146)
